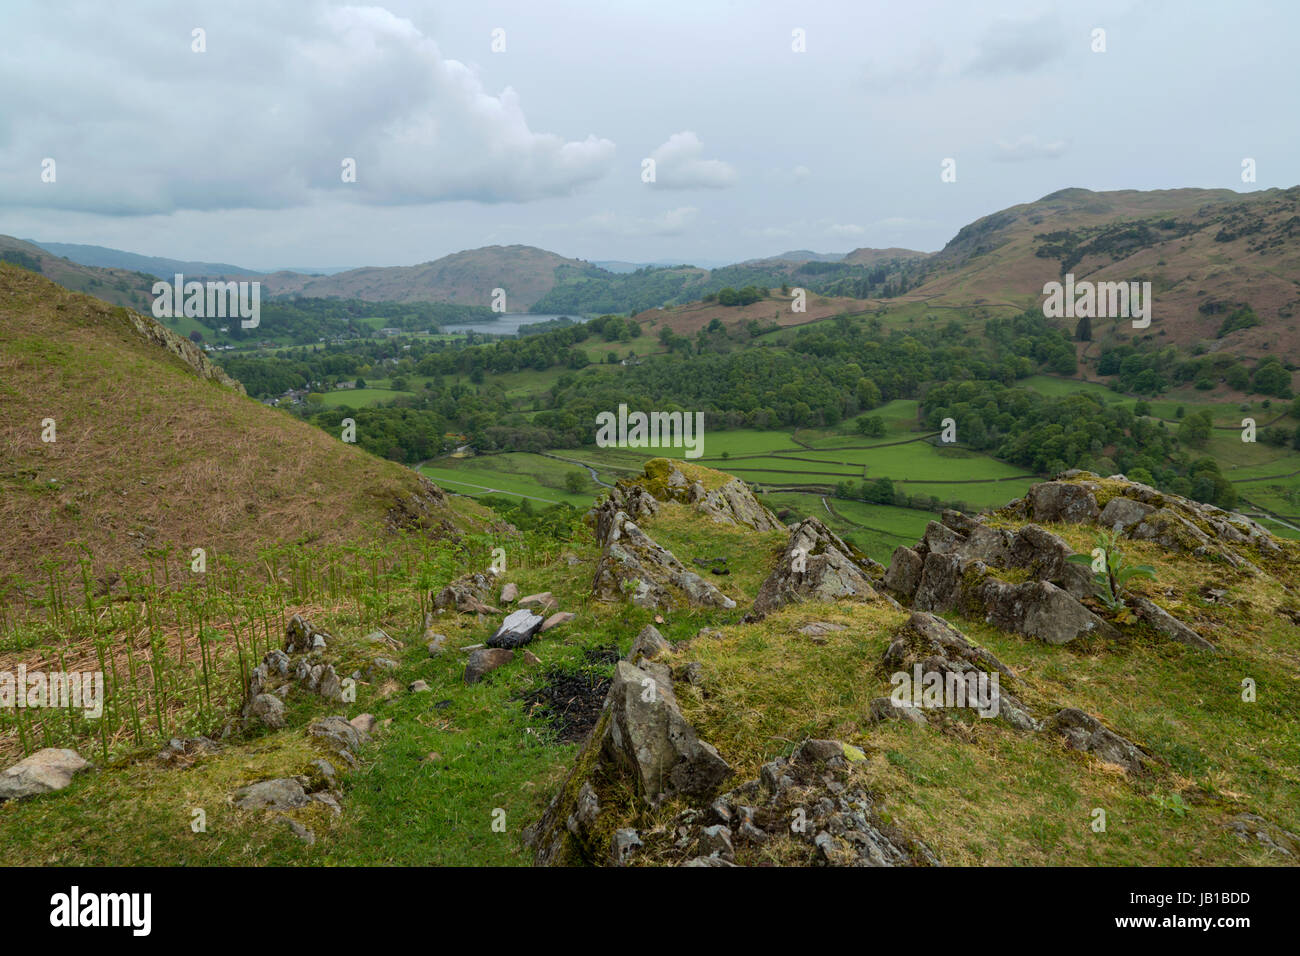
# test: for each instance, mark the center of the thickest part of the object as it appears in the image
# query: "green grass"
(515, 474)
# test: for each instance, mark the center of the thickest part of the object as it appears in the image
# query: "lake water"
(508, 323)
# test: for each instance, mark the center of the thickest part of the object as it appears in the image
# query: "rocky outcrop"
(1145, 514)
(808, 801)
(816, 565)
(45, 771)
(1084, 732)
(642, 744)
(730, 503)
(468, 594)
(928, 645)
(633, 566)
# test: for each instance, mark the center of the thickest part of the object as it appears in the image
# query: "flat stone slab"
(517, 629)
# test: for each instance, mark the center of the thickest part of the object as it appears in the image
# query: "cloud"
(1029, 147)
(915, 75)
(1018, 46)
(679, 165)
(673, 222)
(270, 126)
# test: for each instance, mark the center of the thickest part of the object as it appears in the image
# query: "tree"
(361, 382)
(575, 482)
(196, 336)
(1195, 429)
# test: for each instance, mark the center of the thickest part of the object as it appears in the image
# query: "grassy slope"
(147, 453)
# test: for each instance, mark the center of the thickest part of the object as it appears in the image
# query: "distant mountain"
(118, 286)
(869, 257)
(159, 266)
(525, 273)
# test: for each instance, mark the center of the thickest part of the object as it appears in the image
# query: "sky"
(772, 126)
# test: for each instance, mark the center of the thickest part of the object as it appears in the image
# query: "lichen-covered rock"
(816, 565)
(641, 743)
(468, 594)
(281, 794)
(301, 637)
(926, 645)
(1063, 501)
(1082, 731)
(647, 645)
(904, 573)
(809, 801)
(1166, 624)
(633, 566)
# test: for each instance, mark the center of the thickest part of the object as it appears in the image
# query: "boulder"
(650, 739)
(1084, 732)
(300, 636)
(484, 661)
(1063, 501)
(1039, 609)
(1122, 513)
(816, 565)
(516, 630)
(510, 593)
(904, 574)
(633, 566)
(467, 594)
(45, 771)
(268, 710)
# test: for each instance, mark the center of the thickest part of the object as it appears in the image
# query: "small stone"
(510, 593)
(437, 643)
(326, 770)
(531, 659)
(626, 842)
(386, 663)
(486, 660)
(716, 841)
(555, 620)
(418, 687)
(300, 831)
(363, 722)
(542, 600)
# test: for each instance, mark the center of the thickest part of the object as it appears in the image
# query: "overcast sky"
(236, 154)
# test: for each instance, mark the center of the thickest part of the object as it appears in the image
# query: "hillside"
(468, 278)
(119, 286)
(712, 687)
(1204, 251)
(157, 449)
(159, 266)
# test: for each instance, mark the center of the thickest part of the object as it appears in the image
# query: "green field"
(515, 474)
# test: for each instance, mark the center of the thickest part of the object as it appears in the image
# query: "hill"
(119, 286)
(158, 266)
(526, 273)
(156, 448)
(1205, 251)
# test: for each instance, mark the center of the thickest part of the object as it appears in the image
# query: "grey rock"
(1062, 501)
(1166, 624)
(828, 573)
(418, 687)
(648, 736)
(281, 794)
(904, 574)
(1122, 513)
(1084, 732)
(45, 771)
(486, 660)
(510, 593)
(555, 620)
(625, 843)
(716, 841)
(884, 708)
(338, 734)
(648, 644)
(268, 710)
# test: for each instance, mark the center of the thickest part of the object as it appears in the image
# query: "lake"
(508, 323)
